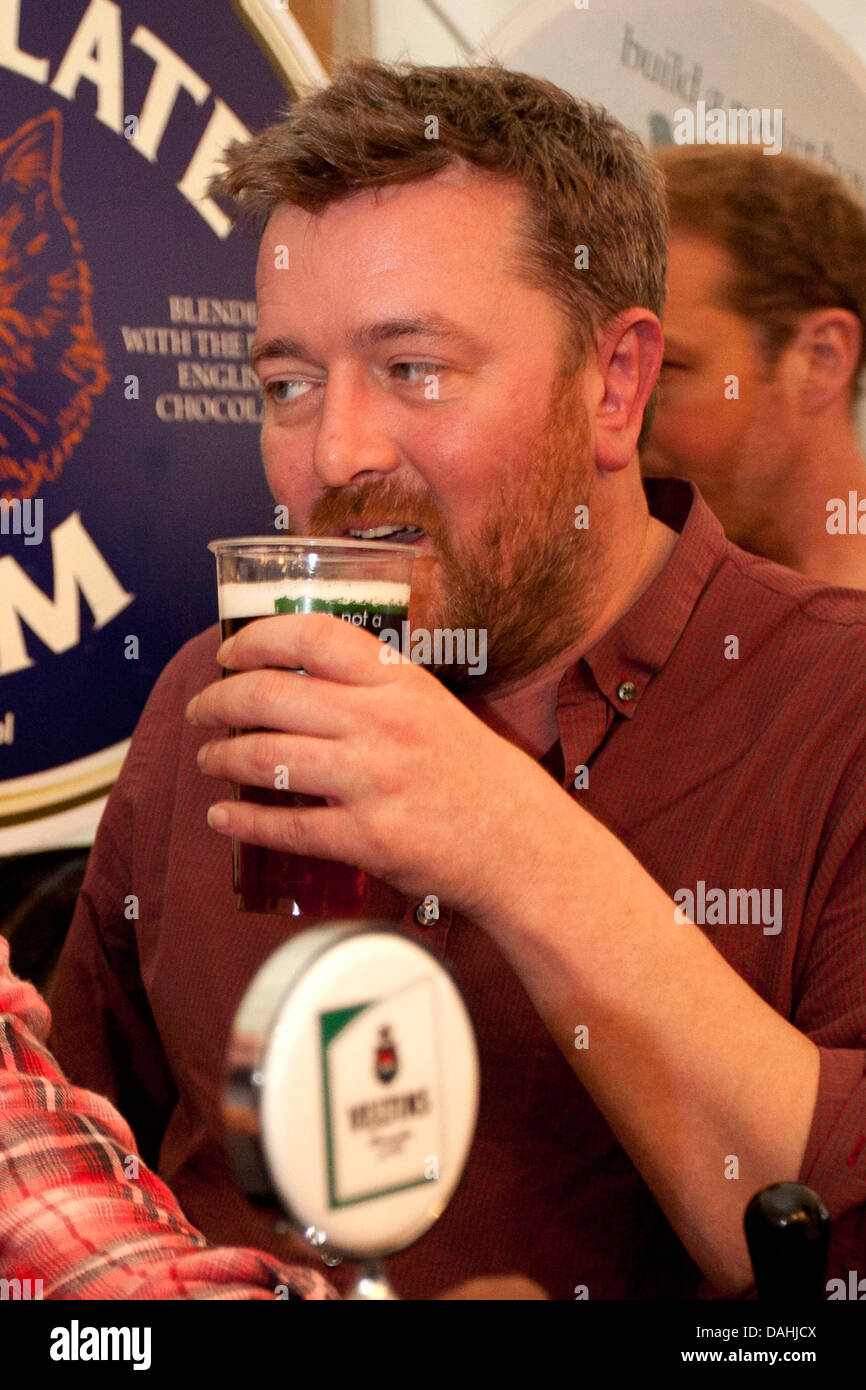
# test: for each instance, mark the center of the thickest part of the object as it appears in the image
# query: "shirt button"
(626, 691)
(427, 913)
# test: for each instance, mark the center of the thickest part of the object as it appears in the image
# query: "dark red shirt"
(722, 721)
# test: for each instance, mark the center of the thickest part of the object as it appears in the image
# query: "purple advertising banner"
(129, 414)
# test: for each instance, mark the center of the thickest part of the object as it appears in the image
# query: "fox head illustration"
(52, 363)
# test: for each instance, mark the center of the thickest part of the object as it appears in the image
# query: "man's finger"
(281, 762)
(319, 643)
(323, 832)
(280, 700)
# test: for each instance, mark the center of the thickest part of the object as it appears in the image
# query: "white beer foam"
(259, 600)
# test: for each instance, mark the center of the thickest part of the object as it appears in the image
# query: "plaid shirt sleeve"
(69, 1214)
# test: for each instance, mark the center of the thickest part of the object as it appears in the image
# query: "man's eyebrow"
(275, 347)
(415, 326)
(422, 326)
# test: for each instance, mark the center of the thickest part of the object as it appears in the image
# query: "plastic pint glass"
(362, 582)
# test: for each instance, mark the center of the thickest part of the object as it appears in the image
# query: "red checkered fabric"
(72, 1218)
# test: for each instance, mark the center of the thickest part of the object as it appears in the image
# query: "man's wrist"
(537, 856)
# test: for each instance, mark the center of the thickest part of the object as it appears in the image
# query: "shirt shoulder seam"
(835, 620)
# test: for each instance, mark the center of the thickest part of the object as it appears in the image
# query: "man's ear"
(629, 356)
(827, 348)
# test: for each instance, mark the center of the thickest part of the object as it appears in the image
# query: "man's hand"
(421, 793)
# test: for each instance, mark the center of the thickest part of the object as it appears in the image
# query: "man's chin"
(650, 466)
(459, 680)
(653, 465)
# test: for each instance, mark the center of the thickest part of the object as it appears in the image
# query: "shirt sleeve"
(831, 1010)
(103, 1031)
(80, 1211)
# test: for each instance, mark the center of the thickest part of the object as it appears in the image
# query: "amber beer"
(266, 880)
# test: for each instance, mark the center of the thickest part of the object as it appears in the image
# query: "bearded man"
(658, 747)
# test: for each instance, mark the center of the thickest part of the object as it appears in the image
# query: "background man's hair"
(588, 181)
(794, 230)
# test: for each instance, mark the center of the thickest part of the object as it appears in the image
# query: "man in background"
(764, 354)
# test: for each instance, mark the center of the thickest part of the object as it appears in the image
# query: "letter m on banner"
(80, 571)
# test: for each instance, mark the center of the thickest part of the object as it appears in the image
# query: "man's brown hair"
(589, 182)
(795, 233)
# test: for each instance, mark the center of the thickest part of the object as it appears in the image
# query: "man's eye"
(284, 392)
(424, 369)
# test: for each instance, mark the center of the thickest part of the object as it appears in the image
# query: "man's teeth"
(376, 531)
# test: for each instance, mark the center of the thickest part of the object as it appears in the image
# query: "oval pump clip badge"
(351, 1092)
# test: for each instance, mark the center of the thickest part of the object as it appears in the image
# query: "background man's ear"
(828, 344)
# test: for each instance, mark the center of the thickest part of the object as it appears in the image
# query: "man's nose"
(352, 436)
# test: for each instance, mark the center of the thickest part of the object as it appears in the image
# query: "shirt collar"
(625, 659)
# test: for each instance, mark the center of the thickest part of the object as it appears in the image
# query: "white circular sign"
(647, 62)
(352, 1087)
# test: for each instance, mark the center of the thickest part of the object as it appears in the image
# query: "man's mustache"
(373, 508)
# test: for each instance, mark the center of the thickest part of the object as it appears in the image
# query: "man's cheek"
(681, 442)
(285, 476)
(671, 430)
(269, 453)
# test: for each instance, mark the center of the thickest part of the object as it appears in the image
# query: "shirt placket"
(583, 717)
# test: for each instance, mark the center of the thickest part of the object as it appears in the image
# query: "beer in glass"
(362, 582)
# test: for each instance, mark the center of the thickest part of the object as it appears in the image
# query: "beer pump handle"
(788, 1234)
(372, 1284)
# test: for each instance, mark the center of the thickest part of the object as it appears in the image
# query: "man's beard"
(526, 578)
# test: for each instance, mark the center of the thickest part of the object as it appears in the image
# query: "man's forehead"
(699, 271)
(453, 208)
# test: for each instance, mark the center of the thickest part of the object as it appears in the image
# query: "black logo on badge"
(386, 1056)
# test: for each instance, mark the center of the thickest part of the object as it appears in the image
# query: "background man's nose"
(353, 436)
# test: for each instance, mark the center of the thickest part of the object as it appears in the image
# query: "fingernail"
(217, 818)
(190, 709)
(225, 650)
